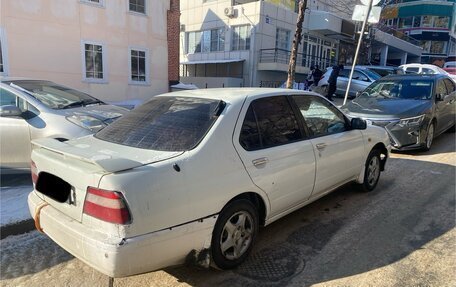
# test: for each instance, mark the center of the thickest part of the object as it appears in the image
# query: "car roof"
(415, 77)
(232, 95)
(378, 67)
(419, 65)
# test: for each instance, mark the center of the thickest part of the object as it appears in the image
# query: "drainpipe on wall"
(252, 48)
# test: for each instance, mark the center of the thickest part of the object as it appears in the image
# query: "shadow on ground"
(347, 233)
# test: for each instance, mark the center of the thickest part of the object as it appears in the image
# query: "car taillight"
(34, 172)
(106, 205)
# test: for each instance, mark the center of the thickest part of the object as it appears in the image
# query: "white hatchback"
(194, 174)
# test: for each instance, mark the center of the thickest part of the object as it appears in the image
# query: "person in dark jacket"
(316, 75)
(332, 81)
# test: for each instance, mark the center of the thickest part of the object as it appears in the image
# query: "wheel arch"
(383, 151)
(257, 201)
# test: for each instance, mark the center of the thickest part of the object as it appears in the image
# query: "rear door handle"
(321, 146)
(260, 161)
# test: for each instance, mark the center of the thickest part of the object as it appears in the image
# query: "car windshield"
(373, 75)
(165, 124)
(53, 95)
(400, 89)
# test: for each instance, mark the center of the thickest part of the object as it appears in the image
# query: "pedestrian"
(309, 79)
(332, 81)
(316, 74)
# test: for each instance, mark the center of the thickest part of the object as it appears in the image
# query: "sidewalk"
(15, 217)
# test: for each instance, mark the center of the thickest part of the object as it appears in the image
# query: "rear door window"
(321, 118)
(165, 124)
(269, 122)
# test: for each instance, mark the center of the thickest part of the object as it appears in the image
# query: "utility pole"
(296, 42)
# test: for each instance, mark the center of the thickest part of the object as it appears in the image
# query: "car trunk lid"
(67, 169)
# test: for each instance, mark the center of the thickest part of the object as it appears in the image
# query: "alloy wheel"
(237, 235)
(373, 171)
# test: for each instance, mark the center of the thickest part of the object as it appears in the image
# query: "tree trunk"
(296, 42)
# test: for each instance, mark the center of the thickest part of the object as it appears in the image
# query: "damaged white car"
(196, 173)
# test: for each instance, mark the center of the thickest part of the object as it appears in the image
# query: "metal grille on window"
(94, 61)
(138, 66)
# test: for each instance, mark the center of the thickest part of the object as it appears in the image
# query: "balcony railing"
(302, 60)
(397, 34)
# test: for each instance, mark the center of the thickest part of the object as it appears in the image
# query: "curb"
(17, 228)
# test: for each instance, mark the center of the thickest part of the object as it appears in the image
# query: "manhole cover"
(272, 264)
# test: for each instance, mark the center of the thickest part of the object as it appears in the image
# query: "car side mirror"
(358, 124)
(10, 111)
(358, 93)
(439, 97)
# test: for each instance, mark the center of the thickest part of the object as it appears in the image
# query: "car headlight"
(415, 121)
(87, 122)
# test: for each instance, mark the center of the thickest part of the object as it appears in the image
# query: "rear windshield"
(165, 124)
(53, 95)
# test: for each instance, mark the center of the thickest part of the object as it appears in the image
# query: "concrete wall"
(44, 40)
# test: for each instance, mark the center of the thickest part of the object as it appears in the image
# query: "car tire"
(372, 171)
(429, 137)
(234, 234)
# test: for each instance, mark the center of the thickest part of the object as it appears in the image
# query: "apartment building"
(247, 42)
(115, 50)
(431, 23)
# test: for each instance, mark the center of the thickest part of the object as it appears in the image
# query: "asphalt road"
(401, 234)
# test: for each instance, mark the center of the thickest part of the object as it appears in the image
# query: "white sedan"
(194, 174)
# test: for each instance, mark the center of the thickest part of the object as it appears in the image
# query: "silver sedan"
(31, 109)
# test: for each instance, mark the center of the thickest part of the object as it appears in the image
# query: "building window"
(194, 42)
(2, 70)
(416, 21)
(427, 21)
(405, 22)
(138, 6)
(240, 38)
(206, 41)
(217, 40)
(3, 54)
(283, 39)
(94, 62)
(441, 22)
(139, 69)
(438, 47)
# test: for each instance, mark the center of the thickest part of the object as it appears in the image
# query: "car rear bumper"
(120, 257)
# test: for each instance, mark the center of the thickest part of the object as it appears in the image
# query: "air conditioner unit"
(230, 12)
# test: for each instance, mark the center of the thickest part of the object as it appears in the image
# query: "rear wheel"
(234, 234)
(372, 171)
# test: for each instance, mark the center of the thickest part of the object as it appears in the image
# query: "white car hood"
(108, 156)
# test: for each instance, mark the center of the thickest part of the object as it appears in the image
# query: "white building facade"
(115, 50)
(247, 43)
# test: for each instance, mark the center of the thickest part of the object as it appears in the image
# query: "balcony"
(278, 60)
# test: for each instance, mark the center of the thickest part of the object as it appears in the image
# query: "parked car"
(413, 109)
(383, 70)
(451, 71)
(362, 77)
(450, 64)
(195, 173)
(425, 69)
(31, 109)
